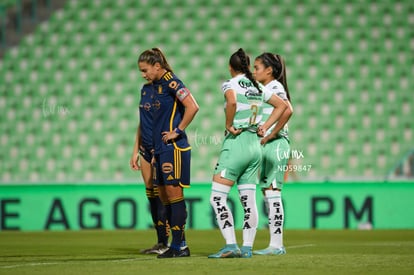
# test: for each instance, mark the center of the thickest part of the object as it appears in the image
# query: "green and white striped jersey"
(249, 102)
(277, 89)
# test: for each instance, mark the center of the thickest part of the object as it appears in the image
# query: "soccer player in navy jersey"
(141, 160)
(174, 108)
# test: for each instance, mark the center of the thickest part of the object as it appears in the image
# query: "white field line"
(300, 246)
(57, 263)
(28, 264)
(114, 261)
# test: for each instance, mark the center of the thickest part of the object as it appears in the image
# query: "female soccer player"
(174, 109)
(270, 70)
(240, 155)
(141, 160)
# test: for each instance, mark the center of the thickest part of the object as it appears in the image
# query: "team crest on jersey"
(245, 83)
(167, 168)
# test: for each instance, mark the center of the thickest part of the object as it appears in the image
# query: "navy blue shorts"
(172, 168)
(145, 152)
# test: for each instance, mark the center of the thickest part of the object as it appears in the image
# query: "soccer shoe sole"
(170, 253)
(226, 254)
(270, 251)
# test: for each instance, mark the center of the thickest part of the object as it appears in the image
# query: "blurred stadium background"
(69, 83)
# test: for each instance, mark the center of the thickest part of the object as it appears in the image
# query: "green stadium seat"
(347, 89)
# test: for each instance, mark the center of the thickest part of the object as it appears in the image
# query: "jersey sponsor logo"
(252, 93)
(157, 104)
(245, 83)
(147, 106)
(253, 96)
(182, 93)
(173, 85)
(167, 167)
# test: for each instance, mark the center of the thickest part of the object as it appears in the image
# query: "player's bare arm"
(231, 106)
(279, 107)
(134, 161)
(191, 109)
(280, 124)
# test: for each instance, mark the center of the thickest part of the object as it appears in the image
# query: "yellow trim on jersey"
(172, 115)
(182, 149)
(184, 186)
(154, 172)
(177, 167)
(177, 164)
(171, 128)
(168, 76)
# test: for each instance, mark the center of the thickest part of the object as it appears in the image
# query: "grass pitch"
(117, 252)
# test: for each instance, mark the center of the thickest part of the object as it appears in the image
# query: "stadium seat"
(349, 71)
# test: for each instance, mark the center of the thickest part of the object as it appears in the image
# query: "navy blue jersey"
(146, 114)
(169, 91)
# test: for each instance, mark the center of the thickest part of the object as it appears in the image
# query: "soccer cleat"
(172, 253)
(246, 252)
(229, 251)
(270, 251)
(158, 248)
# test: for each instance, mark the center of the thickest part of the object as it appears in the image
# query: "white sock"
(224, 217)
(247, 193)
(266, 202)
(276, 217)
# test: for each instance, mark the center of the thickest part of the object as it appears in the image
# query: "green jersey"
(277, 88)
(241, 155)
(249, 102)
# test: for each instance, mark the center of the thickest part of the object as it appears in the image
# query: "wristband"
(179, 131)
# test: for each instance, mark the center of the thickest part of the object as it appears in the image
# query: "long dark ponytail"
(278, 65)
(240, 62)
(155, 55)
